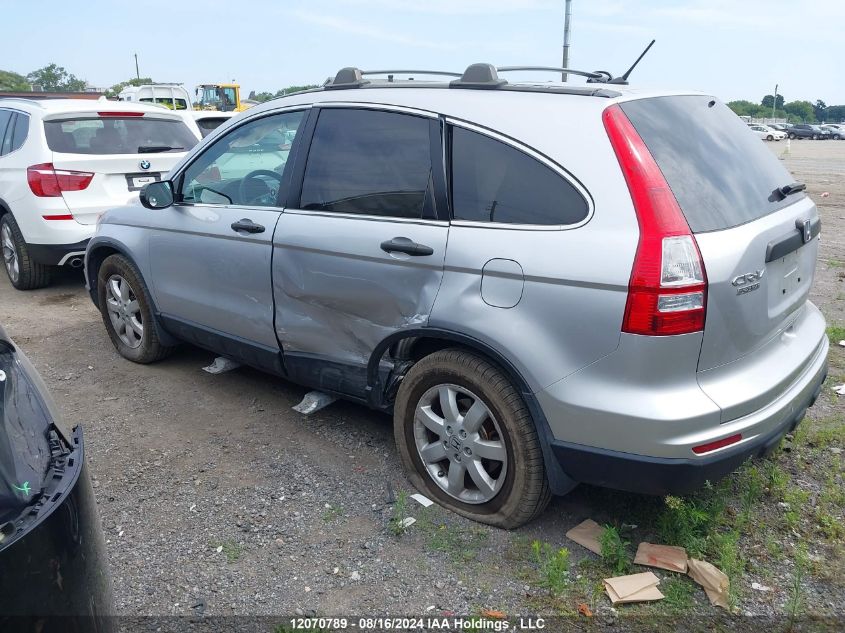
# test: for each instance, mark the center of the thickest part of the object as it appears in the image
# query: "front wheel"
(770, 138)
(127, 313)
(466, 438)
(791, 136)
(815, 137)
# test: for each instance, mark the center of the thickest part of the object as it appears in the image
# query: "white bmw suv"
(63, 162)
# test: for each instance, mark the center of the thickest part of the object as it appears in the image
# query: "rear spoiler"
(165, 114)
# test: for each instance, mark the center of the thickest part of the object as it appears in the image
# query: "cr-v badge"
(747, 282)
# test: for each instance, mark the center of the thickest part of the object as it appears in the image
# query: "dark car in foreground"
(52, 564)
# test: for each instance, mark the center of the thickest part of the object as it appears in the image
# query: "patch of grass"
(835, 263)
(459, 542)
(614, 551)
(553, 566)
(400, 509)
(332, 513)
(679, 593)
(835, 333)
(795, 603)
(729, 559)
(796, 498)
(689, 521)
(776, 477)
(230, 549)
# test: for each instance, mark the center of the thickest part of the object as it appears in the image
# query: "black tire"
(815, 137)
(31, 274)
(791, 136)
(525, 492)
(150, 348)
(770, 138)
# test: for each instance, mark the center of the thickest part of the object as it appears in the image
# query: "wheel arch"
(98, 250)
(411, 346)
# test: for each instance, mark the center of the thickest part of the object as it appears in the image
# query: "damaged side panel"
(338, 293)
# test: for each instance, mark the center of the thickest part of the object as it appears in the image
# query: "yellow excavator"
(221, 97)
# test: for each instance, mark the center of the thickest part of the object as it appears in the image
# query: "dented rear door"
(359, 252)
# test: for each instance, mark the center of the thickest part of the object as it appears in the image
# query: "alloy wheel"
(124, 311)
(10, 253)
(460, 443)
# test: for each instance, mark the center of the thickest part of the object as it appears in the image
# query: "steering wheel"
(253, 176)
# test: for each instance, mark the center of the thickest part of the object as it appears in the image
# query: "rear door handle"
(245, 224)
(407, 246)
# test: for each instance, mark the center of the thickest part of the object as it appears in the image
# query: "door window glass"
(494, 182)
(368, 162)
(5, 117)
(246, 166)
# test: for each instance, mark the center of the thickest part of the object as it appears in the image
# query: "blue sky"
(729, 48)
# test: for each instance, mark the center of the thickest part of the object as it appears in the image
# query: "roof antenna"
(624, 78)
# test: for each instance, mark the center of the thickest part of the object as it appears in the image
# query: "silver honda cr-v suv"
(546, 284)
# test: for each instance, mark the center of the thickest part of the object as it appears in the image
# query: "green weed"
(614, 551)
(553, 565)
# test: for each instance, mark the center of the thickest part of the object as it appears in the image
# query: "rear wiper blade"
(794, 187)
(153, 149)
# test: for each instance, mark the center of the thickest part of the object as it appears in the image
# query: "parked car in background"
(65, 161)
(209, 120)
(55, 575)
(766, 133)
(780, 127)
(545, 284)
(837, 130)
(805, 130)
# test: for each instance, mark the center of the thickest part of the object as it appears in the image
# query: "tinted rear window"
(115, 135)
(721, 173)
(494, 182)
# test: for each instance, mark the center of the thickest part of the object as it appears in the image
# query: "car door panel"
(211, 252)
(359, 252)
(339, 294)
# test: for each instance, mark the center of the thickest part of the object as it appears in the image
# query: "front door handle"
(407, 246)
(245, 224)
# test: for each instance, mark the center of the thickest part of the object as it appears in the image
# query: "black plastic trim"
(438, 169)
(300, 159)
(791, 242)
(661, 475)
(261, 357)
(317, 372)
(52, 254)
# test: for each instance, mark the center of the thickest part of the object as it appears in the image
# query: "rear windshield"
(721, 173)
(118, 135)
(208, 124)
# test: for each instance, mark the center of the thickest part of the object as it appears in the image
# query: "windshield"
(118, 135)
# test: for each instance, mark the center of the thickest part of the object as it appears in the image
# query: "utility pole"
(775, 102)
(137, 72)
(567, 16)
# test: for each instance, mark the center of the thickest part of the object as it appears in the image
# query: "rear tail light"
(46, 181)
(667, 293)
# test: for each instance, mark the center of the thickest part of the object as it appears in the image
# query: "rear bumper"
(57, 254)
(663, 475)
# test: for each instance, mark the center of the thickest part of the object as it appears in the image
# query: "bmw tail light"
(46, 181)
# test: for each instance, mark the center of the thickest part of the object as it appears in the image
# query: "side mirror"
(157, 195)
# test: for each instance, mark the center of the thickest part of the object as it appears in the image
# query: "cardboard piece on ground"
(714, 581)
(662, 556)
(633, 588)
(587, 534)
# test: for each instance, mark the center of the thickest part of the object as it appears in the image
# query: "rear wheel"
(24, 273)
(792, 136)
(466, 439)
(126, 310)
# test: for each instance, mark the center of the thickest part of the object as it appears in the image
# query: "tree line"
(792, 111)
(55, 78)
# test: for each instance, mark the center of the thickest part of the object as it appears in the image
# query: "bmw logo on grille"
(145, 164)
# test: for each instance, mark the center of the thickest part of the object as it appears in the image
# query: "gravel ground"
(216, 497)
